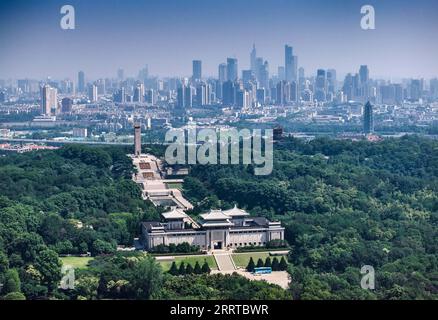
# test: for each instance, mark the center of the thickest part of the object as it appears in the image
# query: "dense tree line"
(81, 200)
(75, 200)
(344, 204)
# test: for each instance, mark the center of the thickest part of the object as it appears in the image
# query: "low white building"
(217, 229)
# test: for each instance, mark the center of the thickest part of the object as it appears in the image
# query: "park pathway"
(224, 262)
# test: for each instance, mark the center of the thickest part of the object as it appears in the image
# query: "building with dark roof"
(217, 229)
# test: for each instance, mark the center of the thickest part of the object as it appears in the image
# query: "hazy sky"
(168, 34)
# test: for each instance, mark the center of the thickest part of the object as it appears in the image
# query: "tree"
(102, 247)
(283, 264)
(147, 277)
(206, 267)
(189, 269)
(260, 263)
(275, 264)
(197, 269)
(49, 266)
(4, 262)
(12, 282)
(182, 269)
(268, 263)
(14, 296)
(251, 265)
(173, 269)
(87, 287)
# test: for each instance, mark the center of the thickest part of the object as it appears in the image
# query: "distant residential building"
(49, 100)
(368, 118)
(66, 105)
(184, 97)
(139, 93)
(151, 96)
(2, 97)
(80, 132)
(203, 94)
(261, 96)
(92, 92)
(120, 96)
(243, 99)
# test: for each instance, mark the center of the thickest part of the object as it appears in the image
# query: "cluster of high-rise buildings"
(250, 88)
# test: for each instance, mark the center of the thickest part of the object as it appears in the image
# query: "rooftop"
(235, 212)
(174, 214)
(215, 215)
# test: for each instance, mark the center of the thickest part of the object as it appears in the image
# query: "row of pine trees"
(274, 264)
(189, 269)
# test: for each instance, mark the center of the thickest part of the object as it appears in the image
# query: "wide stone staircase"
(224, 262)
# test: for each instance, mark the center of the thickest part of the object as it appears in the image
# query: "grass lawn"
(192, 260)
(242, 259)
(174, 185)
(76, 262)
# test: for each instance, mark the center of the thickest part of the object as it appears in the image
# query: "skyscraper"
(222, 72)
(232, 69)
(81, 82)
(364, 74)
(415, 89)
(197, 70)
(331, 81)
(253, 57)
(290, 64)
(49, 100)
(229, 93)
(368, 120)
(283, 93)
(263, 75)
(247, 76)
(320, 86)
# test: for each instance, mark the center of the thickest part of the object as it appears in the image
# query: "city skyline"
(105, 38)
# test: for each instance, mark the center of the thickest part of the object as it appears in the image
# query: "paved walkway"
(281, 278)
(224, 262)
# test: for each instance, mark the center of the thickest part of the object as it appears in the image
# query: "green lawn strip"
(190, 259)
(173, 185)
(76, 262)
(242, 259)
